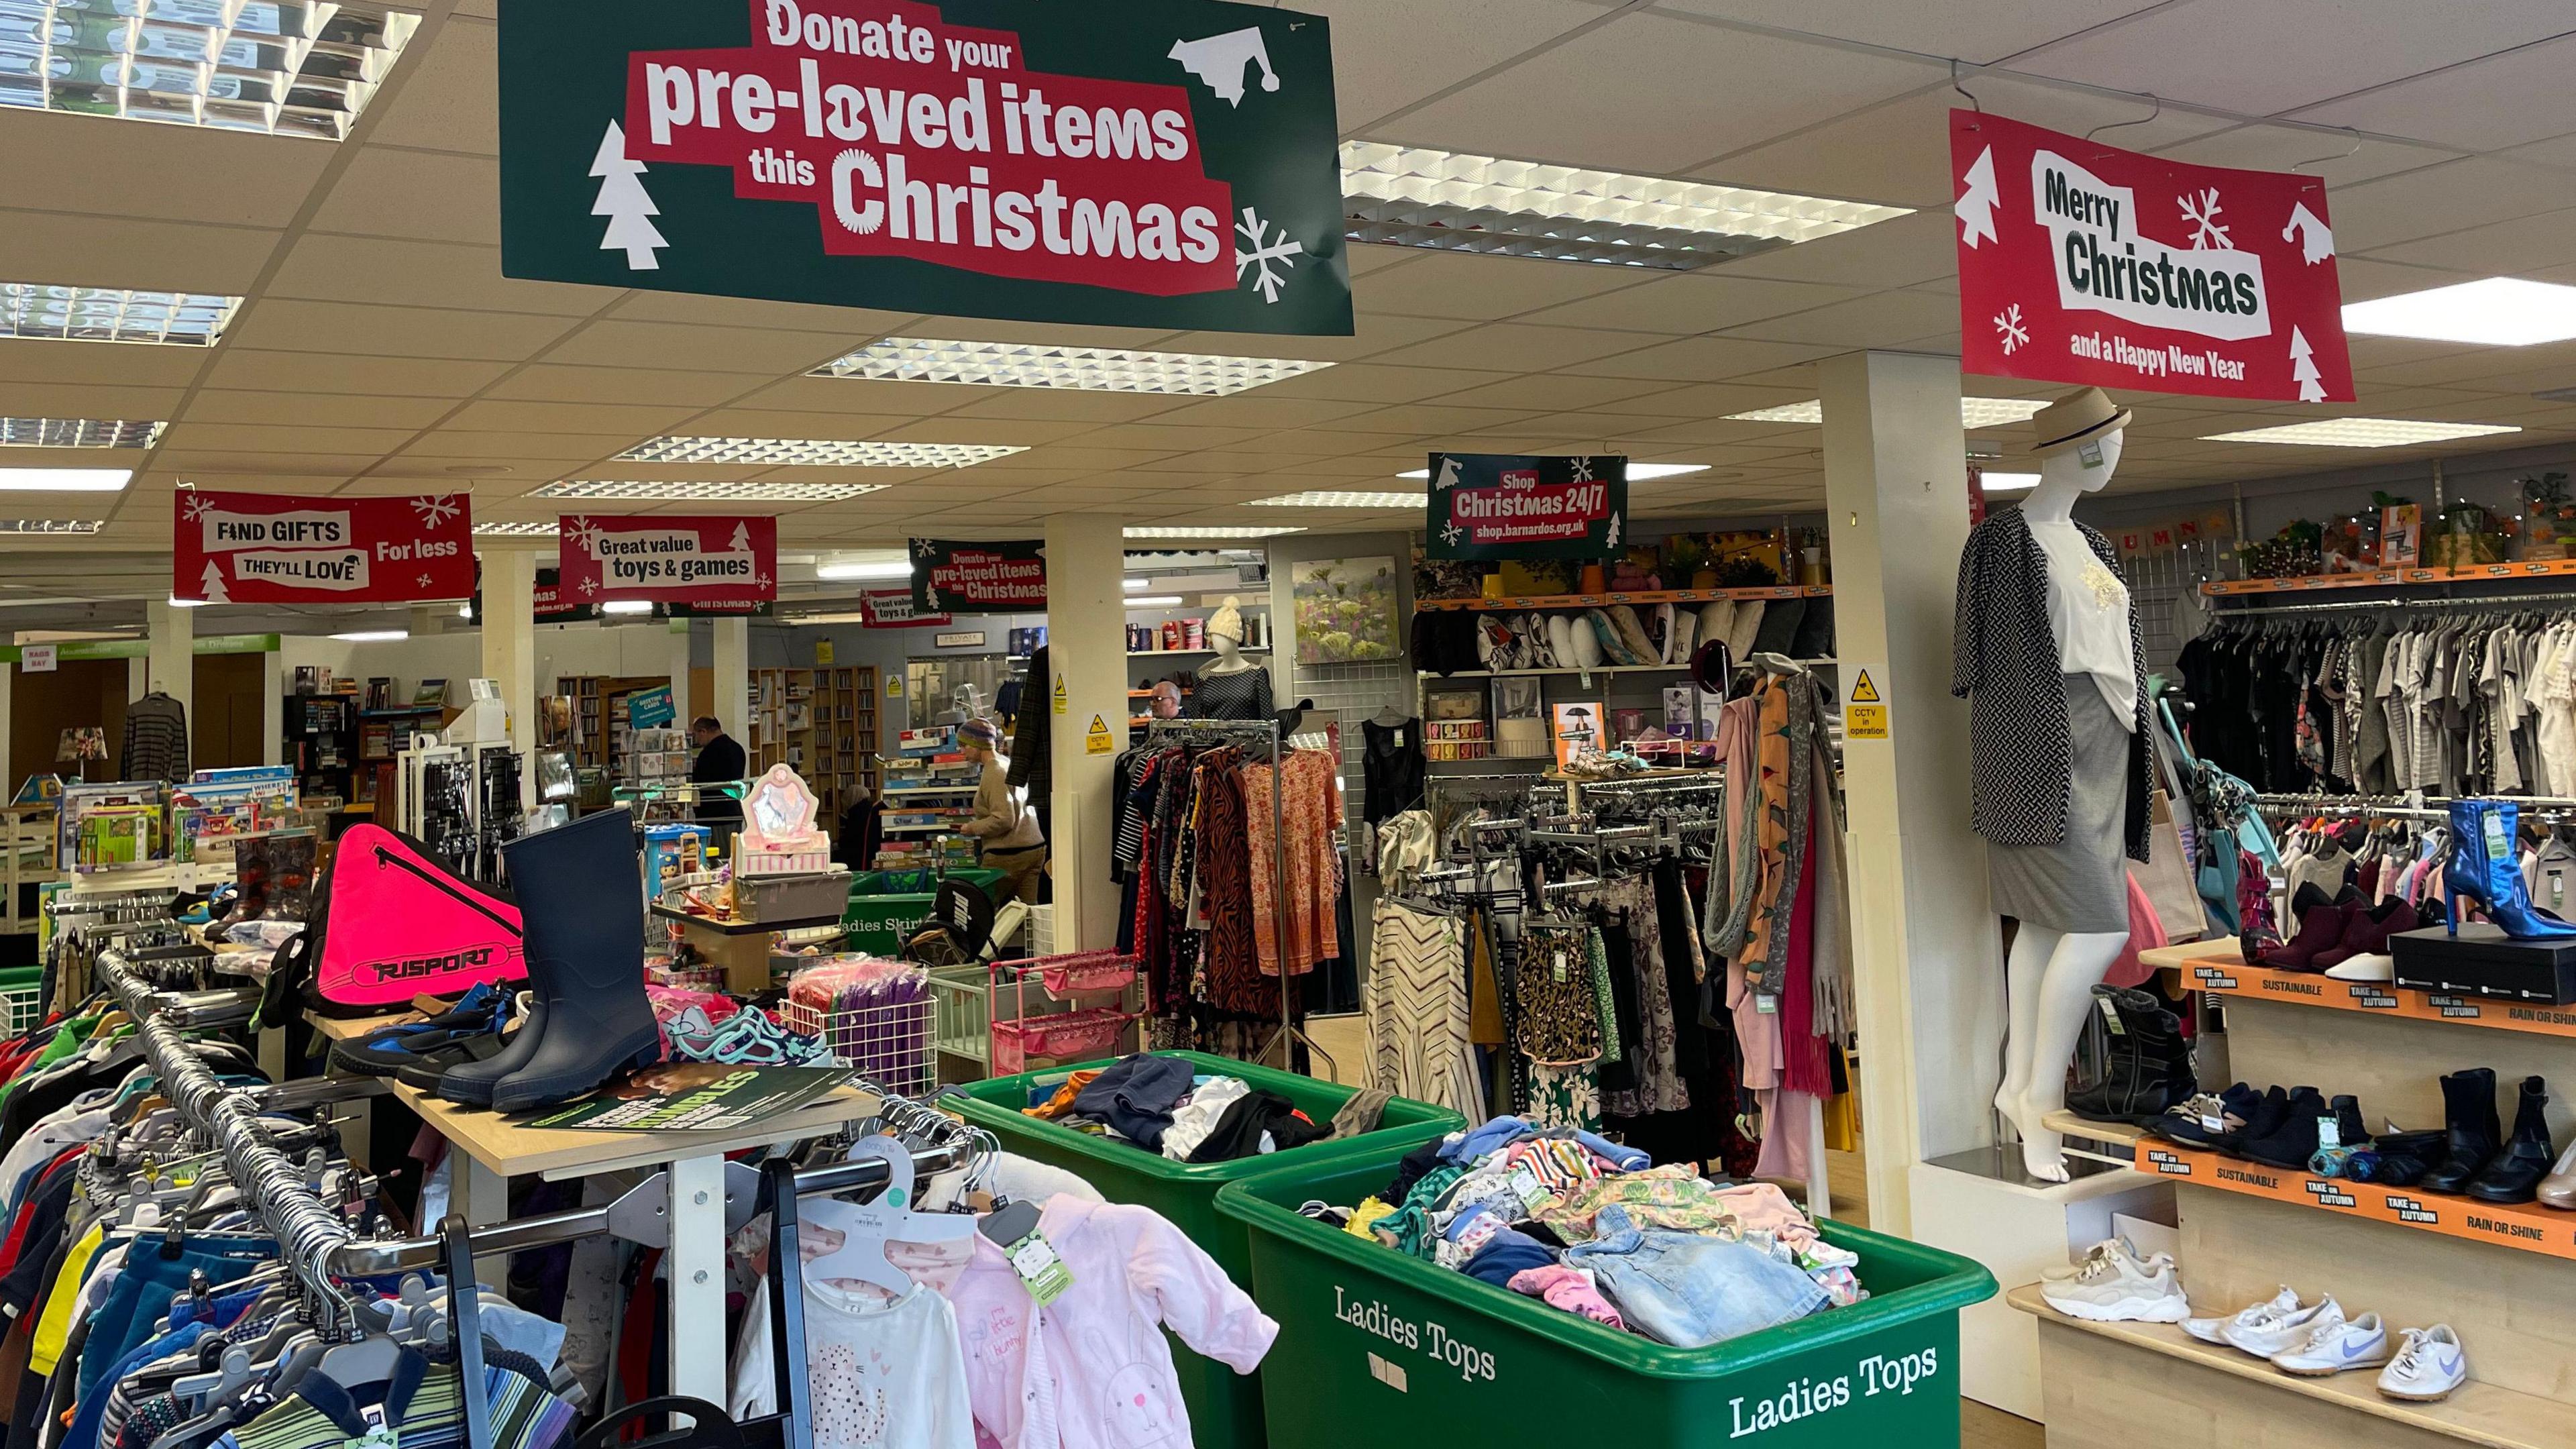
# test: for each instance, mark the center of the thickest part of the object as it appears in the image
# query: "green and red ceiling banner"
(2083, 263)
(1162, 163)
(953, 577)
(1491, 506)
(266, 548)
(722, 564)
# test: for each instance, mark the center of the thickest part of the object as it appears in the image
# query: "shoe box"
(2483, 961)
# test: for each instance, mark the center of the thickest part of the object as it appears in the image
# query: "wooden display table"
(740, 947)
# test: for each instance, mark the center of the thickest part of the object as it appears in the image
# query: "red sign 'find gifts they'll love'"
(264, 548)
(2083, 263)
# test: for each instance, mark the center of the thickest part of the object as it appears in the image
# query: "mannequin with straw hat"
(2049, 656)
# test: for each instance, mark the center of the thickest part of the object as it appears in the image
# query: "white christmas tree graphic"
(2303, 367)
(212, 585)
(628, 207)
(742, 538)
(1976, 205)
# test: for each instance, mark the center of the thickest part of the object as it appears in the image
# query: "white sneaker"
(2114, 1285)
(2284, 1332)
(2427, 1367)
(2337, 1348)
(2214, 1330)
(2377, 966)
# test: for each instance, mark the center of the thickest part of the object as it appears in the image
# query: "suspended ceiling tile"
(1369, 382)
(89, 400)
(1898, 253)
(329, 268)
(967, 404)
(2439, 200)
(2505, 249)
(739, 422)
(862, 395)
(426, 195)
(1669, 112)
(1375, 334)
(1379, 65)
(1480, 288)
(1550, 391)
(611, 341)
(211, 437)
(548, 382)
(69, 248)
(636, 420)
(290, 325)
(1517, 347)
(165, 173)
(1976, 30)
(446, 101)
(1709, 401)
(2364, 278)
(999, 432)
(1704, 359)
(858, 326)
(585, 448)
(2459, 106)
(2323, 154)
(107, 362)
(1258, 409)
(236, 366)
(2271, 58)
(1684, 304)
(198, 466)
(1422, 418)
(218, 405)
(1883, 320)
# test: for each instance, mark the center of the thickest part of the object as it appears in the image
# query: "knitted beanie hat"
(981, 732)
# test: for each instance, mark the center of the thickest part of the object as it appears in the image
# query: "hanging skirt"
(2082, 882)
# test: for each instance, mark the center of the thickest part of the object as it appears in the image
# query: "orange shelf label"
(2226, 976)
(2527, 1226)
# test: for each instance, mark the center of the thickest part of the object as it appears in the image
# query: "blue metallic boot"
(2483, 867)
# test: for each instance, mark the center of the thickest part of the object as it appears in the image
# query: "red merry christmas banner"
(2083, 263)
(262, 548)
(722, 563)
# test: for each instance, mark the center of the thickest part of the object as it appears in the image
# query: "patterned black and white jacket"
(2005, 664)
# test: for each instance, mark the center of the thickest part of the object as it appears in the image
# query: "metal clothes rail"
(2254, 606)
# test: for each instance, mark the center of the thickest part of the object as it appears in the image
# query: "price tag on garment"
(2498, 848)
(1765, 1004)
(2110, 1016)
(2329, 1132)
(2212, 1122)
(1525, 1186)
(2557, 887)
(379, 1435)
(1040, 1269)
(1560, 967)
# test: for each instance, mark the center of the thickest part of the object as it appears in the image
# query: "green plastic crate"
(1225, 1408)
(879, 919)
(1388, 1349)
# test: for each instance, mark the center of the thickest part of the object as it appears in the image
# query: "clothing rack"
(1263, 731)
(2242, 606)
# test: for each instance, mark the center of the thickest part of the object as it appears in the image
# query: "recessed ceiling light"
(483, 529)
(2361, 433)
(276, 69)
(372, 636)
(1333, 498)
(1156, 601)
(1637, 472)
(843, 617)
(1974, 412)
(1249, 530)
(2008, 482)
(179, 603)
(40, 312)
(64, 480)
(2496, 312)
(627, 606)
(50, 525)
(896, 568)
(1084, 369)
(814, 453)
(1410, 196)
(724, 492)
(78, 433)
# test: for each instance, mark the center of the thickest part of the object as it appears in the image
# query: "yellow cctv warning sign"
(1865, 712)
(1097, 741)
(1865, 692)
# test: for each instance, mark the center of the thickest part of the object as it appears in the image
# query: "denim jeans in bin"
(1688, 1289)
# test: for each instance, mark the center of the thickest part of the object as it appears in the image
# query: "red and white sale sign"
(2083, 263)
(710, 563)
(264, 548)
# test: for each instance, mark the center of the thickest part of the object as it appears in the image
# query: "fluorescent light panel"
(372, 636)
(2008, 482)
(1412, 196)
(2496, 312)
(1637, 472)
(1156, 601)
(64, 480)
(814, 453)
(1974, 412)
(279, 69)
(1082, 369)
(720, 492)
(627, 606)
(51, 313)
(42, 526)
(899, 568)
(1249, 530)
(78, 433)
(2362, 433)
(515, 530)
(179, 603)
(1333, 498)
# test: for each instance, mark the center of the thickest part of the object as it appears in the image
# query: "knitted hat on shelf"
(1227, 622)
(980, 732)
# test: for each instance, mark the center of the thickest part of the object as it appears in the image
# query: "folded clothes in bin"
(1587, 1226)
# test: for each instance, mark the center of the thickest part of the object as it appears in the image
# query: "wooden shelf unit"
(2226, 976)
(2496, 573)
(821, 722)
(2526, 1227)
(600, 735)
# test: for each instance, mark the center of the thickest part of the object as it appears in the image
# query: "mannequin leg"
(2025, 972)
(2076, 963)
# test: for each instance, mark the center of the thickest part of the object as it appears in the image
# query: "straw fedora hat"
(2078, 417)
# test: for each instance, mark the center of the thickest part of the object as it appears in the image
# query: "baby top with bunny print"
(1092, 1369)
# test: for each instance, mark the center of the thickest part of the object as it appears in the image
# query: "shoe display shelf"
(2503, 1276)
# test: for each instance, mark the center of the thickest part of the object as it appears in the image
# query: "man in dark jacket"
(720, 762)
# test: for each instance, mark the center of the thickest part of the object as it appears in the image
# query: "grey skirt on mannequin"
(2082, 882)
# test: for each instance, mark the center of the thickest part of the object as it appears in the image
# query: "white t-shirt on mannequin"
(2088, 610)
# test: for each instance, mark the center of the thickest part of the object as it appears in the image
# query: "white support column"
(730, 696)
(678, 644)
(172, 665)
(508, 619)
(1087, 653)
(272, 713)
(1926, 947)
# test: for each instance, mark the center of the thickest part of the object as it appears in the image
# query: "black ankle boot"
(2515, 1173)
(2138, 1080)
(2469, 1115)
(2294, 1142)
(2263, 1121)
(581, 899)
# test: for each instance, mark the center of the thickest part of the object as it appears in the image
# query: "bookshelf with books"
(592, 725)
(820, 722)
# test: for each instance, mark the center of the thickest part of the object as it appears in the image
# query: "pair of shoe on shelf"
(2146, 1063)
(580, 892)
(2482, 1161)
(2316, 1340)
(2278, 1128)
(2345, 937)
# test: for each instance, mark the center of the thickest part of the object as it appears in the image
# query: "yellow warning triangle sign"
(1097, 740)
(1864, 692)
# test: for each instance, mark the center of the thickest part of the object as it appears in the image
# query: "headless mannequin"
(1229, 656)
(2051, 974)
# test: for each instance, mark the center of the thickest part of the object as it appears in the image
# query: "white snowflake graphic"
(925, 547)
(1450, 533)
(590, 586)
(1583, 470)
(2201, 209)
(435, 511)
(1255, 233)
(426, 580)
(760, 581)
(582, 535)
(2009, 326)
(199, 506)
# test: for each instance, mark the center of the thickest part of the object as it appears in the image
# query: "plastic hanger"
(866, 1228)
